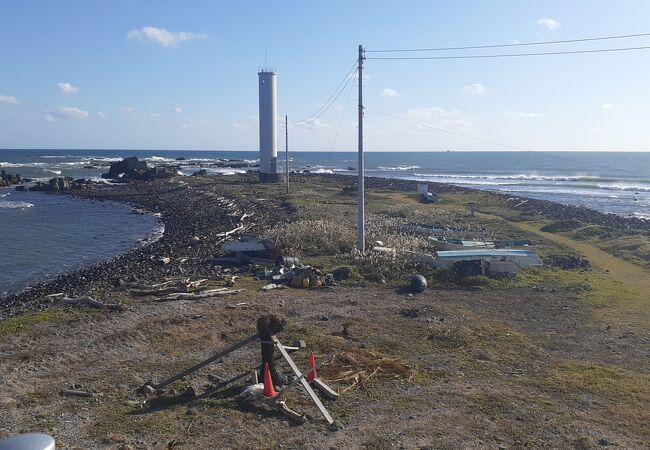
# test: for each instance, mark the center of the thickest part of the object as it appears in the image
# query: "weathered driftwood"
(284, 409)
(168, 287)
(228, 233)
(91, 302)
(201, 295)
(324, 389)
(162, 291)
(197, 283)
(237, 305)
(200, 365)
(76, 393)
(167, 282)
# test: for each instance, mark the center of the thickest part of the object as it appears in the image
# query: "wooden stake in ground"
(268, 326)
(303, 381)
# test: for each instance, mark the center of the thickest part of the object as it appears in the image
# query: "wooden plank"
(213, 358)
(303, 381)
(325, 389)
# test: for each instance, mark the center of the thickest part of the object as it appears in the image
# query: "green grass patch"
(623, 394)
(22, 323)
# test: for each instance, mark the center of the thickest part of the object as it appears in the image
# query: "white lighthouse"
(268, 127)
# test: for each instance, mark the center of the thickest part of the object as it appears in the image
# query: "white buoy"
(28, 441)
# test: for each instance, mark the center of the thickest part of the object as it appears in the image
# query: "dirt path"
(615, 269)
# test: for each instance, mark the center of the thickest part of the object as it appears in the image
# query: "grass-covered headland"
(556, 357)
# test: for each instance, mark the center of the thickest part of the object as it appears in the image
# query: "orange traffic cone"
(311, 375)
(269, 390)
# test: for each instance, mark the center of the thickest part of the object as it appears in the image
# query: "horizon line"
(322, 151)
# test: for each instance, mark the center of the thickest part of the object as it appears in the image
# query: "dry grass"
(316, 237)
(450, 333)
(358, 367)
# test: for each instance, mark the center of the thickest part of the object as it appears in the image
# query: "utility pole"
(286, 149)
(361, 227)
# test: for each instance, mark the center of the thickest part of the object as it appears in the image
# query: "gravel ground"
(512, 368)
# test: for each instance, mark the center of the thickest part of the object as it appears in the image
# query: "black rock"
(7, 179)
(134, 169)
(127, 168)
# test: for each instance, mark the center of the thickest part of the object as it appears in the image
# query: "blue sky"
(183, 75)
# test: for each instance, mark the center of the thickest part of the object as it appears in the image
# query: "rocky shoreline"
(195, 212)
(552, 210)
(192, 227)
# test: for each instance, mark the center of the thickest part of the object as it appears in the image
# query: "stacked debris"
(300, 276)
(265, 255)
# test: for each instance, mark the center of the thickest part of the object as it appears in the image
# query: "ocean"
(42, 235)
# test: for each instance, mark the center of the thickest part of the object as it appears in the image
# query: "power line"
(519, 44)
(512, 55)
(513, 147)
(338, 128)
(327, 104)
(415, 122)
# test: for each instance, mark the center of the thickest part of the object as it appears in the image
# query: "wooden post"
(303, 381)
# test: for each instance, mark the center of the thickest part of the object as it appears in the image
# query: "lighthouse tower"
(268, 127)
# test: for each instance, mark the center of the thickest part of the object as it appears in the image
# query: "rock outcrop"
(7, 179)
(134, 169)
(61, 184)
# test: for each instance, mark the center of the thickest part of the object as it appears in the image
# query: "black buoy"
(418, 284)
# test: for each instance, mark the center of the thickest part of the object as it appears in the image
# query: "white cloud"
(388, 92)
(8, 99)
(156, 115)
(128, 110)
(476, 89)
(163, 37)
(317, 123)
(606, 106)
(67, 88)
(251, 122)
(439, 117)
(72, 112)
(551, 24)
(50, 118)
(433, 112)
(177, 110)
(102, 115)
(523, 115)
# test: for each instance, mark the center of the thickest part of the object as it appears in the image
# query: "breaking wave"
(400, 168)
(623, 187)
(15, 205)
(524, 177)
